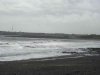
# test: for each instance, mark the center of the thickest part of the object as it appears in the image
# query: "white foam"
(23, 50)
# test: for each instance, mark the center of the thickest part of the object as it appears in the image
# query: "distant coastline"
(50, 35)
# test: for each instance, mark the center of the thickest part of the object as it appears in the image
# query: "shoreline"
(69, 66)
(91, 52)
(87, 65)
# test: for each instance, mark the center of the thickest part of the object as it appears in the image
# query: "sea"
(21, 48)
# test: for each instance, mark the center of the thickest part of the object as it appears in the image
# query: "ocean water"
(15, 48)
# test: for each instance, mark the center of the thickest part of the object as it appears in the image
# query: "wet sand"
(69, 66)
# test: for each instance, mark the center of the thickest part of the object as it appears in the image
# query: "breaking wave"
(23, 50)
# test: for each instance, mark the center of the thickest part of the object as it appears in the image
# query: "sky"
(51, 16)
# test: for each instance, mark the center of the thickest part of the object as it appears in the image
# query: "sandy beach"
(24, 56)
(69, 66)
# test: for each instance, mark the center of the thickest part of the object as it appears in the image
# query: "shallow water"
(13, 48)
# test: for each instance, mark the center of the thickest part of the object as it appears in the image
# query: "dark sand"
(89, 65)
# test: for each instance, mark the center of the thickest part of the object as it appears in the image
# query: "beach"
(41, 56)
(69, 66)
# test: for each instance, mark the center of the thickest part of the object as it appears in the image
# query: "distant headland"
(50, 35)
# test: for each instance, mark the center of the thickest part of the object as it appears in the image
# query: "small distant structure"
(12, 28)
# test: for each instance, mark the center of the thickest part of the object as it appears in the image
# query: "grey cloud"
(49, 14)
(48, 7)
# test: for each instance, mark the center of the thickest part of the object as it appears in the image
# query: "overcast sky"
(53, 16)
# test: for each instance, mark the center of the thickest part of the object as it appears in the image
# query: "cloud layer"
(70, 16)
